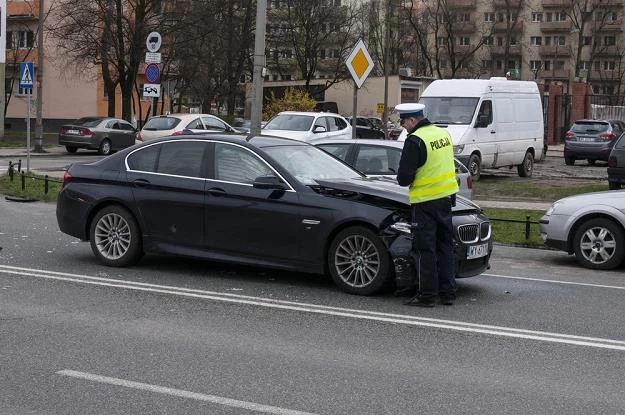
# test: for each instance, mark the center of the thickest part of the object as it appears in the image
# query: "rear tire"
(71, 149)
(358, 261)
(105, 147)
(599, 244)
(115, 237)
(614, 186)
(526, 168)
(475, 167)
(592, 162)
(569, 161)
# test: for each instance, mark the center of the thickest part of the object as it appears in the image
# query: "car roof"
(312, 113)
(372, 141)
(259, 141)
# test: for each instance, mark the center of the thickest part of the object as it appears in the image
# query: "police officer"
(427, 167)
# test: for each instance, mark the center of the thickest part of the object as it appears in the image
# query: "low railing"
(527, 223)
(16, 168)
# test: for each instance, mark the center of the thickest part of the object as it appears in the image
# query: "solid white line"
(584, 284)
(220, 400)
(325, 310)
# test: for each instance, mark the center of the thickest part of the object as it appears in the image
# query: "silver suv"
(591, 139)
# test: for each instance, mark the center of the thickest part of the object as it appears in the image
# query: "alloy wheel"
(112, 236)
(357, 261)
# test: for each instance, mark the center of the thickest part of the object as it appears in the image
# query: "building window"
(443, 64)
(441, 41)
(555, 16)
(587, 40)
(536, 40)
(609, 40)
(487, 40)
(597, 65)
(499, 64)
(463, 17)
(609, 65)
(464, 41)
(23, 39)
(558, 65)
(537, 17)
(584, 65)
(489, 17)
(487, 64)
(535, 65)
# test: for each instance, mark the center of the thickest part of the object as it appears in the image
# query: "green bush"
(293, 100)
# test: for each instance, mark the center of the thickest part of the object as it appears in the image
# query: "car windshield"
(590, 127)
(290, 122)
(161, 123)
(449, 110)
(88, 122)
(309, 164)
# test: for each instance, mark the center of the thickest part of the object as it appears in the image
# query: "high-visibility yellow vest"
(437, 177)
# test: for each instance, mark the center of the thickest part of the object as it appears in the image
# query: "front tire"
(115, 237)
(475, 167)
(71, 149)
(526, 168)
(614, 186)
(358, 261)
(105, 147)
(569, 161)
(599, 244)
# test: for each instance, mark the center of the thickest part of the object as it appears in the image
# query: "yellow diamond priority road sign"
(359, 63)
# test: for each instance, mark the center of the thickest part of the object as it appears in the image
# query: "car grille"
(474, 232)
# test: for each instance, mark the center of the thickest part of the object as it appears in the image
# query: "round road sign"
(153, 42)
(152, 73)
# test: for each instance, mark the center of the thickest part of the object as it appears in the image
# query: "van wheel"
(526, 168)
(475, 167)
(569, 161)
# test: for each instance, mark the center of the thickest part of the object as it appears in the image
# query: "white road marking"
(409, 320)
(220, 400)
(585, 284)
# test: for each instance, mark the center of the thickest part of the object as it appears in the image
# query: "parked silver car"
(104, 134)
(590, 225)
(616, 164)
(591, 139)
(381, 158)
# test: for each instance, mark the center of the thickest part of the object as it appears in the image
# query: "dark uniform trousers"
(433, 245)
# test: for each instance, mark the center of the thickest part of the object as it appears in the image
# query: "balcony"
(607, 3)
(501, 50)
(13, 57)
(502, 27)
(607, 51)
(604, 76)
(507, 4)
(554, 50)
(560, 74)
(615, 26)
(556, 26)
(462, 49)
(556, 4)
(26, 10)
(461, 4)
(464, 28)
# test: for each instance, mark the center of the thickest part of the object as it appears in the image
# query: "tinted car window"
(213, 124)
(88, 121)
(182, 158)
(144, 159)
(161, 123)
(196, 124)
(590, 127)
(340, 123)
(126, 127)
(376, 159)
(112, 124)
(337, 150)
(238, 165)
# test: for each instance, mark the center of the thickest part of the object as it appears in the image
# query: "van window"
(486, 110)
(449, 110)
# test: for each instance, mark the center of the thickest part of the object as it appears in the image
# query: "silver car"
(104, 134)
(381, 158)
(590, 225)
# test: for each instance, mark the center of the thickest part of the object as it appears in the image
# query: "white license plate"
(477, 251)
(586, 139)
(73, 132)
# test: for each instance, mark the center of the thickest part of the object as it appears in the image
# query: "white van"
(493, 122)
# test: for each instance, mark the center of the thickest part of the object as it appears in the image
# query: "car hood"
(381, 187)
(592, 201)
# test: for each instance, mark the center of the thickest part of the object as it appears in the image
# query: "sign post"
(152, 71)
(360, 64)
(26, 71)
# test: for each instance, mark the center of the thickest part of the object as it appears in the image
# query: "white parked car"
(590, 225)
(308, 126)
(177, 124)
(381, 158)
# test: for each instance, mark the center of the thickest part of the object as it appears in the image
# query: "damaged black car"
(262, 201)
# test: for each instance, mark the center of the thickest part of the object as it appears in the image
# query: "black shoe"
(404, 292)
(448, 299)
(419, 302)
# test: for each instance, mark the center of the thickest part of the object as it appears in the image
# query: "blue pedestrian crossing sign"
(26, 75)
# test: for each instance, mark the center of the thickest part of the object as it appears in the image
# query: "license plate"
(73, 132)
(477, 251)
(586, 139)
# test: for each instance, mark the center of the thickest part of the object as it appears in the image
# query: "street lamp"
(39, 122)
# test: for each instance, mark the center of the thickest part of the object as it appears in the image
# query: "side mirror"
(319, 129)
(268, 182)
(482, 121)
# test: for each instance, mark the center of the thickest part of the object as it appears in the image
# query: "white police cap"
(410, 110)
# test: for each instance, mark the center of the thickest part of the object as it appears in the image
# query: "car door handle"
(216, 191)
(492, 131)
(141, 183)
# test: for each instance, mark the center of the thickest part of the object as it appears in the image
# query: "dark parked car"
(263, 201)
(366, 129)
(591, 140)
(104, 134)
(616, 164)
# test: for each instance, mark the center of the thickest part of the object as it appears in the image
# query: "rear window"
(161, 123)
(88, 121)
(590, 127)
(290, 122)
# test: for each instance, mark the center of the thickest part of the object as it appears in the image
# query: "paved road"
(534, 335)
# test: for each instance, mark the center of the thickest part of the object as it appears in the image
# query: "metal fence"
(16, 169)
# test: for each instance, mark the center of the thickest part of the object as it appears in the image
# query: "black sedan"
(262, 201)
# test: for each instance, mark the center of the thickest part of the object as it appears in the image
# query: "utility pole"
(39, 122)
(259, 65)
(387, 38)
(3, 31)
